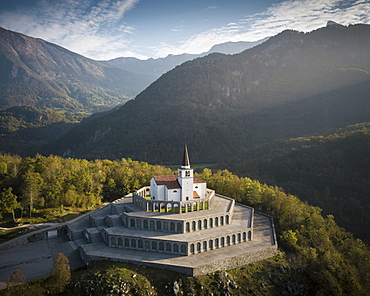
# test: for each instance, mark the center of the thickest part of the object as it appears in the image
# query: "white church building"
(182, 187)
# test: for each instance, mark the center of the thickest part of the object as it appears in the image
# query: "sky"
(106, 29)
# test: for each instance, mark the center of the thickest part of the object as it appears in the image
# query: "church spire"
(185, 159)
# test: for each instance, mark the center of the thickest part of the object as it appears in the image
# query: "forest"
(320, 257)
(330, 171)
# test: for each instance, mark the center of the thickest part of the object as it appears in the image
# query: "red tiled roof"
(198, 180)
(195, 194)
(171, 181)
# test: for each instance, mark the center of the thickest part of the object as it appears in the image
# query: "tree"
(8, 202)
(31, 189)
(16, 278)
(60, 273)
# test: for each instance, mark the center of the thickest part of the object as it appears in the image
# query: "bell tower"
(185, 179)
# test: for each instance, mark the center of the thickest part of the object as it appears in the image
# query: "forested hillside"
(294, 84)
(331, 172)
(317, 258)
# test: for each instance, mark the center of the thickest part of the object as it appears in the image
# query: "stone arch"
(239, 238)
(127, 243)
(222, 220)
(132, 223)
(133, 243)
(244, 236)
(151, 225)
(168, 247)
(147, 245)
(205, 223)
(187, 227)
(205, 246)
(113, 241)
(154, 245)
(249, 235)
(159, 225)
(190, 208)
(199, 224)
(172, 227)
(138, 223)
(192, 251)
(222, 242)
(233, 239)
(217, 243)
(210, 244)
(199, 247)
(145, 224)
(175, 248)
(227, 219)
(228, 240)
(120, 241)
(140, 244)
(161, 246)
(194, 226)
(165, 226)
(210, 222)
(179, 227)
(183, 249)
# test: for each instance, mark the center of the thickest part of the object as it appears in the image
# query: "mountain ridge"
(210, 99)
(43, 74)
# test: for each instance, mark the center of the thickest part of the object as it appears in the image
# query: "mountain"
(157, 67)
(292, 85)
(38, 73)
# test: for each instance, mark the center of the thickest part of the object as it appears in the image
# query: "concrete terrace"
(262, 246)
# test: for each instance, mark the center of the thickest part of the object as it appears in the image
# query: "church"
(182, 187)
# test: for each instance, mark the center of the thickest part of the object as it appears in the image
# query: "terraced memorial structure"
(192, 233)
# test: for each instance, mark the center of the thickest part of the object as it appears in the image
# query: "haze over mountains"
(157, 67)
(294, 84)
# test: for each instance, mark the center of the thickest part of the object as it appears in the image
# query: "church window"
(183, 249)
(172, 226)
(127, 243)
(194, 225)
(133, 243)
(168, 247)
(187, 174)
(175, 191)
(179, 227)
(239, 238)
(192, 249)
(187, 227)
(161, 246)
(176, 248)
(120, 242)
(233, 239)
(249, 235)
(216, 243)
(211, 244)
(205, 246)
(146, 224)
(228, 240)
(198, 247)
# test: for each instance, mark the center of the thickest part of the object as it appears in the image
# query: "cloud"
(210, 8)
(301, 15)
(86, 27)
